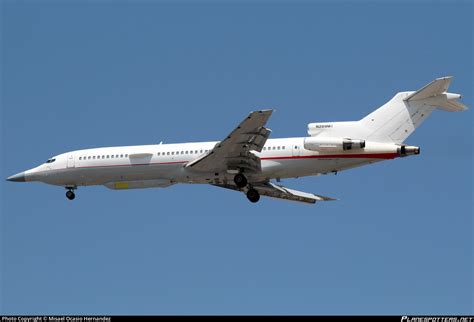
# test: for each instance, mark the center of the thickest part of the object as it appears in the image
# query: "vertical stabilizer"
(399, 117)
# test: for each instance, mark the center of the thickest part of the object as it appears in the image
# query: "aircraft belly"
(102, 175)
(291, 168)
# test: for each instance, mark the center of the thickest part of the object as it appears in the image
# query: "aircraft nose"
(19, 177)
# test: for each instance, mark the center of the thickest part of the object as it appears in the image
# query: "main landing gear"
(70, 193)
(241, 182)
(253, 195)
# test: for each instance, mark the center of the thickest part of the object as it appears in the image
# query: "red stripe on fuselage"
(385, 156)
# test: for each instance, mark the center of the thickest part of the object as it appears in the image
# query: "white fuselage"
(161, 165)
(247, 160)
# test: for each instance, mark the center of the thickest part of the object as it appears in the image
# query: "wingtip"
(324, 198)
(444, 77)
(263, 110)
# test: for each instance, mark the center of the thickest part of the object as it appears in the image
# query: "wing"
(276, 191)
(234, 152)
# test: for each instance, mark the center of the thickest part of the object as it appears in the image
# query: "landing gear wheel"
(70, 195)
(240, 180)
(253, 195)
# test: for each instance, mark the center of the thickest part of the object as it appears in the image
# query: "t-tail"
(395, 120)
(399, 117)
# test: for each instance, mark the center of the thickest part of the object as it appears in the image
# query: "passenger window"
(283, 147)
(121, 155)
(80, 158)
(201, 151)
(112, 156)
(116, 156)
(126, 155)
(278, 148)
(182, 152)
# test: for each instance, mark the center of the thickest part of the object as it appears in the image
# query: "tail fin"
(399, 117)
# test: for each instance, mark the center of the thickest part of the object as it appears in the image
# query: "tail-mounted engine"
(332, 144)
(406, 150)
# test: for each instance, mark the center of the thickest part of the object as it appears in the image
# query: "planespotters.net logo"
(437, 319)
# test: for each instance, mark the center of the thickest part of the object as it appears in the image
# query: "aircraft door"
(70, 161)
(296, 150)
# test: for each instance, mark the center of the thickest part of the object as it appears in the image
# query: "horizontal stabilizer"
(436, 87)
(452, 105)
(435, 95)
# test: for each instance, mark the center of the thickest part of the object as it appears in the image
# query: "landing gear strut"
(253, 195)
(70, 194)
(240, 180)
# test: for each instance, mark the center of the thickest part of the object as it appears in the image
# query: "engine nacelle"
(406, 150)
(332, 144)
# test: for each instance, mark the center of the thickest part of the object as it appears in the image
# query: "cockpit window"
(50, 160)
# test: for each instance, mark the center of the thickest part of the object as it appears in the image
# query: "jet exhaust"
(406, 150)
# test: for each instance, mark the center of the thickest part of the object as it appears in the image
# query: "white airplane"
(246, 160)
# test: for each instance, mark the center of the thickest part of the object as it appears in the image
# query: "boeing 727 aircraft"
(246, 160)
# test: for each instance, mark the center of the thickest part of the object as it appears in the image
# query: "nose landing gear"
(70, 193)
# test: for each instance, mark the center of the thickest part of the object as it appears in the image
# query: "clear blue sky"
(95, 73)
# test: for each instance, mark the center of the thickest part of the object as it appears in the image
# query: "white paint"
(247, 149)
